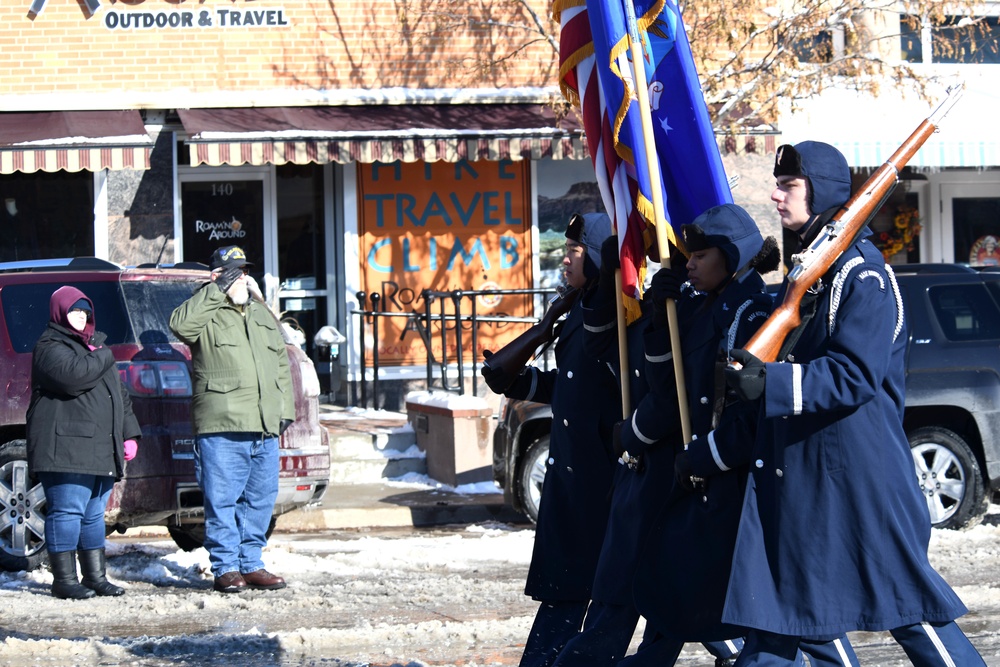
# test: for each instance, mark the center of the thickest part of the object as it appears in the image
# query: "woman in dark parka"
(81, 430)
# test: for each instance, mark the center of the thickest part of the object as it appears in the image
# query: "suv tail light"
(156, 378)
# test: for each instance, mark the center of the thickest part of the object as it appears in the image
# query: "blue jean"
(75, 505)
(238, 476)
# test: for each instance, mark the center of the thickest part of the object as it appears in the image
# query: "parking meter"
(328, 341)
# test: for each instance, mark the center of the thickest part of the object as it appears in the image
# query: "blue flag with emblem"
(692, 176)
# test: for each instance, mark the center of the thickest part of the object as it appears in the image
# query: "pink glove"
(131, 448)
(92, 348)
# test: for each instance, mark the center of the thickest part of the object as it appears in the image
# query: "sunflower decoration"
(905, 227)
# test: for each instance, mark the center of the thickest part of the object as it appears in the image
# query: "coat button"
(637, 372)
(779, 472)
(551, 460)
(565, 422)
(569, 374)
(759, 463)
(704, 400)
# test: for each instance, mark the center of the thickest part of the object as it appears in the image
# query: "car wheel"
(191, 536)
(22, 501)
(949, 478)
(534, 463)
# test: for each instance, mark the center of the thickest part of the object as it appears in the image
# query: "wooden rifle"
(839, 234)
(515, 355)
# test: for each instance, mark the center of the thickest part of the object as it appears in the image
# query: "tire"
(191, 536)
(949, 477)
(531, 475)
(22, 502)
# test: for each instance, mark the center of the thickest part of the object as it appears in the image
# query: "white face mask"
(77, 319)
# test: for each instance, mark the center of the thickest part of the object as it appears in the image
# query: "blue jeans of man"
(238, 476)
(75, 505)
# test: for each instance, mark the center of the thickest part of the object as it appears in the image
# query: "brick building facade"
(151, 131)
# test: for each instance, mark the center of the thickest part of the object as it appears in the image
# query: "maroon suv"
(133, 308)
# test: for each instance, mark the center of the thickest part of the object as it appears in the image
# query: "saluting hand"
(225, 278)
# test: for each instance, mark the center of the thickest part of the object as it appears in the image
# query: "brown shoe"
(263, 580)
(230, 582)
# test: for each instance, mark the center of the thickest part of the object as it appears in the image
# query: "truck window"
(965, 312)
(26, 311)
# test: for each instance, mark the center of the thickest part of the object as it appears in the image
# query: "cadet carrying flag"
(596, 73)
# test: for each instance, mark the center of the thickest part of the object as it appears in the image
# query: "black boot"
(65, 585)
(92, 566)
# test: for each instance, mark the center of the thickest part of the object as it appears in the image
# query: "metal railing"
(452, 323)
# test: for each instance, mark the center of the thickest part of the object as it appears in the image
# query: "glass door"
(301, 249)
(221, 207)
(971, 223)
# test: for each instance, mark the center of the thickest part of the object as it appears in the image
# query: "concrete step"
(355, 445)
(370, 471)
(368, 446)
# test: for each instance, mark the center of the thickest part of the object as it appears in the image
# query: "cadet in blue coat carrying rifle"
(680, 586)
(834, 532)
(583, 392)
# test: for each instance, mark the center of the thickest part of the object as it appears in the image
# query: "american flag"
(595, 74)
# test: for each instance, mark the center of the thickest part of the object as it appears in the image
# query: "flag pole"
(622, 345)
(662, 240)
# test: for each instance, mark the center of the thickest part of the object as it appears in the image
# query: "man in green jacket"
(242, 402)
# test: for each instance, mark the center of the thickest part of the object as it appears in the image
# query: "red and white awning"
(408, 133)
(73, 141)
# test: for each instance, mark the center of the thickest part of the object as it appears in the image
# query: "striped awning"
(934, 154)
(408, 133)
(73, 141)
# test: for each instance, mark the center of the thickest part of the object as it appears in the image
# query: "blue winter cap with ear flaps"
(823, 166)
(590, 230)
(730, 229)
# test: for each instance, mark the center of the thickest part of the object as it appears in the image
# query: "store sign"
(116, 19)
(227, 17)
(444, 226)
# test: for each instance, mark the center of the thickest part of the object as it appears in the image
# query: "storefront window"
(977, 235)
(47, 215)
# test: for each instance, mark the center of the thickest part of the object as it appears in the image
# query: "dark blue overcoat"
(576, 494)
(638, 494)
(681, 583)
(834, 532)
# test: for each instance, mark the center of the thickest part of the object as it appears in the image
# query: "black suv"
(133, 307)
(953, 387)
(952, 416)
